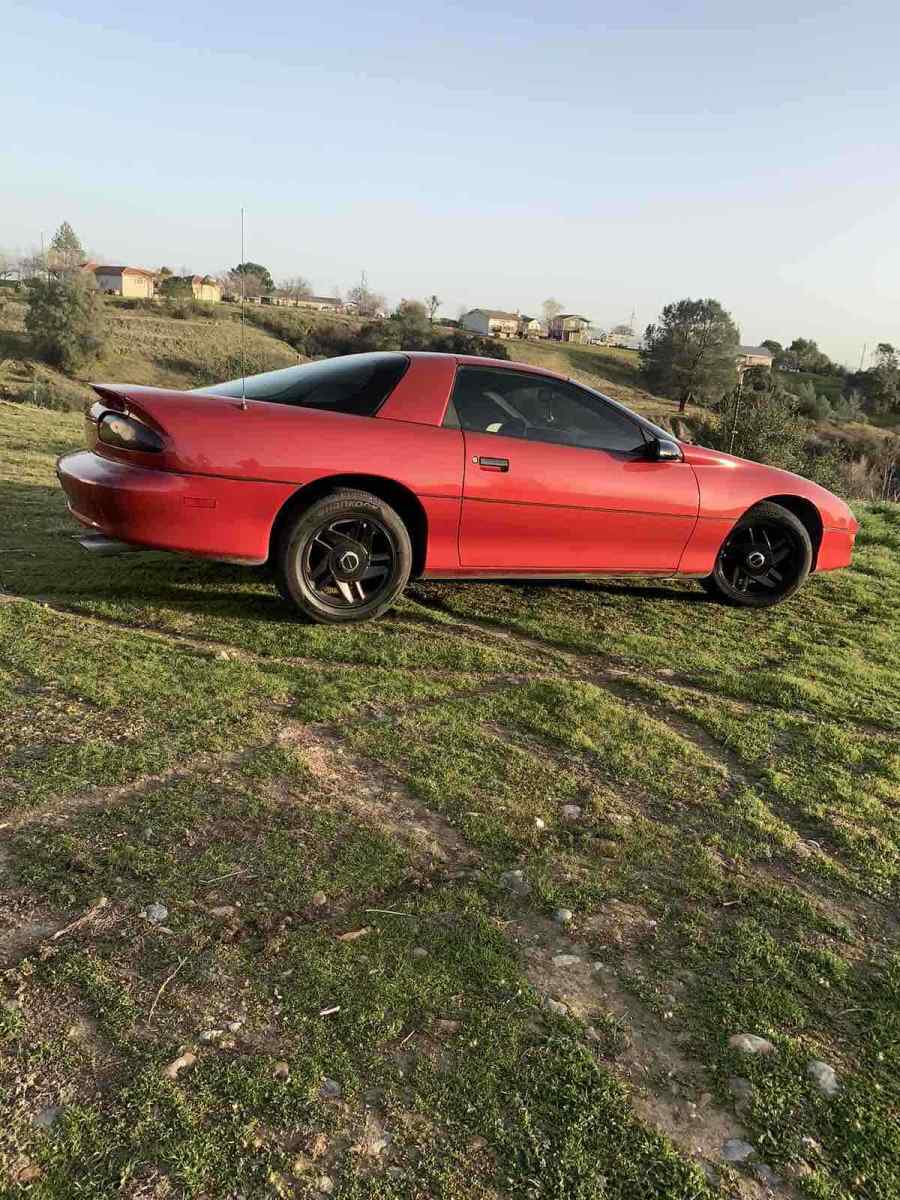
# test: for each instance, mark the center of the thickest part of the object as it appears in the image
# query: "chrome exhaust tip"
(103, 546)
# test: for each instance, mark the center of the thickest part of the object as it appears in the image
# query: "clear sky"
(613, 157)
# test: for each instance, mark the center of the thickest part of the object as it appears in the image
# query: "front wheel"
(765, 558)
(345, 558)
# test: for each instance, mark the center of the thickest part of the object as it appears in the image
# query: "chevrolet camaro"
(350, 476)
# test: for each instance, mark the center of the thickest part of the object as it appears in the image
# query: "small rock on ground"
(515, 882)
(823, 1076)
(557, 1007)
(281, 1070)
(564, 916)
(419, 952)
(766, 1175)
(180, 1064)
(155, 912)
(330, 1090)
(566, 960)
(751, 1043)
(318, 899)
(570, 812)
(48, 1116)
(735, 1150)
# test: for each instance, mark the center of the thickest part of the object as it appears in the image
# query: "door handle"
(491, 464)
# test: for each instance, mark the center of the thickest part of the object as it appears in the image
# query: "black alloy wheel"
(765, 558)
(347, 562)
(345, 558)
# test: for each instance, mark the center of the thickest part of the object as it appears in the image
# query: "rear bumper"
(196, 514)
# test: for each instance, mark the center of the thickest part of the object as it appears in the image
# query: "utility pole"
(737, 411)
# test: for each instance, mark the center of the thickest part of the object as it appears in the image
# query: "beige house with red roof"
(126, 281)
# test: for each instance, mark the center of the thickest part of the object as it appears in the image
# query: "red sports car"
(352, 475)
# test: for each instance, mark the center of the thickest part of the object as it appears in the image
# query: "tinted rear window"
(358, 383)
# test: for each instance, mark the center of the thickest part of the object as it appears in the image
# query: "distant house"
(126, 281)
(322, 303)
(203, 287)
(530, 327)
(754, 356)
(491, 322)
(570, 327)
(624, 341)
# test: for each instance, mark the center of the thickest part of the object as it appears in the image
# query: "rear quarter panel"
(214, 436)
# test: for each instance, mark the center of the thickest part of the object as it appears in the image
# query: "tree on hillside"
(295, 288)
(804, 355)
(410, 320)
(256, 279)
(756, 379)
(776, 350)
(433, 305)
(550, 308)
(65, 319)
(366, 302)
(32, 265)
(690, 353)
(175, 287)
(883, 391)
(66, 251)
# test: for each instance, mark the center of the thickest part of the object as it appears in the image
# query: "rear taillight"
(127, 433)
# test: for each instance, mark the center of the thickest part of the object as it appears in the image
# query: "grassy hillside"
(345, 992)
(144, 347)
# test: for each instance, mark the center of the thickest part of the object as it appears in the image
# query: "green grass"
(170, 733)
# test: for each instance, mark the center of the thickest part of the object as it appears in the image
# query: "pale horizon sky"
(496, 155)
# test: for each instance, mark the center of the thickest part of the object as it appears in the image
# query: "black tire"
(345, 558)
(765, 558)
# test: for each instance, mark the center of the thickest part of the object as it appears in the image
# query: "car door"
(557, 479)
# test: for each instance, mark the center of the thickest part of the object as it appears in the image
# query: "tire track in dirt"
(651, 1051)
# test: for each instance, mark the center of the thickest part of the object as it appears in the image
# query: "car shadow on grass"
(40, 558)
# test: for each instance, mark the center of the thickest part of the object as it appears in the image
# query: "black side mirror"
(662, 449)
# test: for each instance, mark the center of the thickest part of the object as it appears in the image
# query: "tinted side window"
(358, 383)
(489, 400)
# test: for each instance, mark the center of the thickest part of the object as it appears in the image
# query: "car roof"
(478, 360)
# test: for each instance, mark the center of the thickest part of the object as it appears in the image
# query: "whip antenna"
(241, 270)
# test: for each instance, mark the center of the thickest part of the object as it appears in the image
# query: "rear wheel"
(345, 558)
(765, 558)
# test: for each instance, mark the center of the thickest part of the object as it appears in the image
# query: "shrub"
(849, 408)
(65, 320)
(764, 426)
